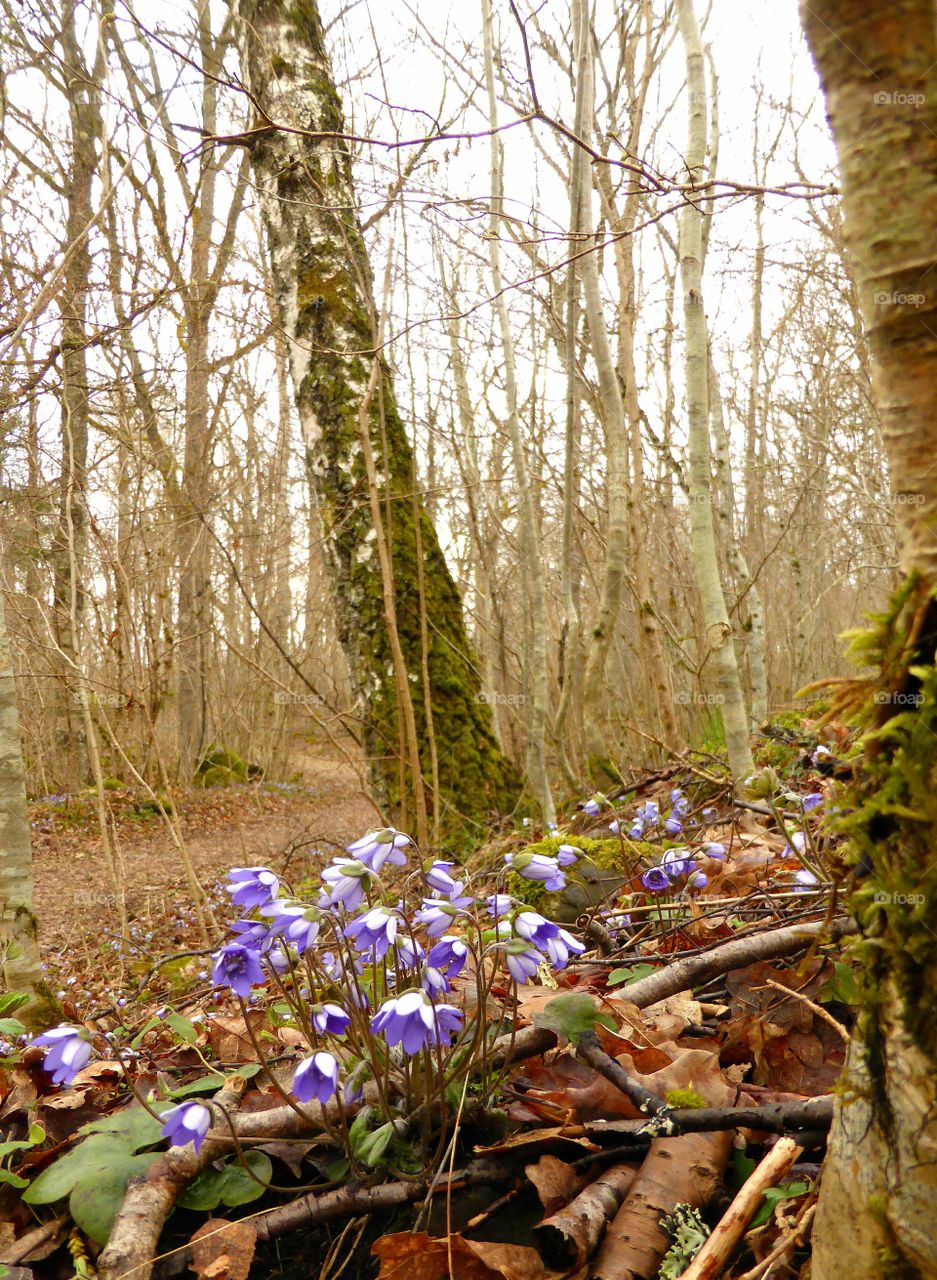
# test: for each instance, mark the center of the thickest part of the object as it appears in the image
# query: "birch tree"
(718, 635)
(343, 387)
(878, 67)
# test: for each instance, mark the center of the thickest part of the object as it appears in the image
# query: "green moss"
(684, 1099)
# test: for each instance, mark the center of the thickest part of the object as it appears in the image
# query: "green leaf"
(96, 1197)
(634, 973)
(133, 1126)
(743, 1167)
(774, 1195)
(36, 1134)
(569, 1016)
(13, 1179)
(99, 1152)
(204, 1084)
(238, 1187)
(204, 1192)
(840, 987)
(11, 1027)
(373, 1145)
(183, 1028)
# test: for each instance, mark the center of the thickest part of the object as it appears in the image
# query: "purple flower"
(348, 883)
(656, 880)
(821, 754)
(714, 850)
(448, 955)
(648, 813)
(298, 924)
(567, 854)
(237, 967)
(676, 862)
(316, 1077)
(408, 951)
(253, 933)
(329, 1019)
(804, 881)
(376, 930)
(540, 867)
(499, 904)
(68, 1050)
(614, 826)
(522, 960)
(188, 1122)
(532, 927)
(673, 826)
(811, 801)
(252, 886)
(561, 947)
(699, 880)
(636, 831)
(436, 916)
(593, 804)
(378, 847)
(441, 882)
(414, 1022)
(796, 846)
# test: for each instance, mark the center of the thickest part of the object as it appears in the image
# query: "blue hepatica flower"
(593, 805)
(567, 854)
(445, 961)
(533, 927)
(499, 904)
(252, 886)
(436, 916)
(408, 951)
(378, 847)
(347, 882)
(637, 831)
(441, 882)
(521, 959)
(560, 948)
(699, 880)
(414, 1022)
(540, 867)
(655, 880)
(297, 923)
(821, 755)
(67, 1051)
(316, 1077)
(648, 813)
(677, 862)
(237, 967)
(713, 849)
(796, 846)
(376, 929)
(614, 826)
(188, 1122)
(329, 1019)
(252, 933)
(673, 826)
(811, 801)
(804, 881)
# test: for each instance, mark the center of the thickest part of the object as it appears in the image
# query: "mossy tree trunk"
(324, 297)
(878, 1202)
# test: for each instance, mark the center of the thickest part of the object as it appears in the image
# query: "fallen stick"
(570, 1236)
(149, 1200)
(714, 1254)
(695, 970)
(813, 1116)
(590, 1050)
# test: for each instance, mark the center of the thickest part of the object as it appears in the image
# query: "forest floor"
(289, 824)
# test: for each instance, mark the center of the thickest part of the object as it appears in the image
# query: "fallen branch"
(712, 1257)
(813, 1116)
(571, 1236)
(150, 1198)
(682, 975)
(591, 1051)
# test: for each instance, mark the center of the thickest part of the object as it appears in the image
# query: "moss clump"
(684, 1099)
(220, 767)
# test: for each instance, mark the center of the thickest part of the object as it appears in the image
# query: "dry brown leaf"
(229, 1037)
(555, 1182)
(407, 1256)
(223, 1250)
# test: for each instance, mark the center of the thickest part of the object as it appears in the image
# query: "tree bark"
(324, 297)
(706, 563)
(878, 67)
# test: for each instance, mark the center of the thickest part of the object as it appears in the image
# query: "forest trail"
(221, 827)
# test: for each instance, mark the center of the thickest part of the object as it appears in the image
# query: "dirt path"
(297, 826)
